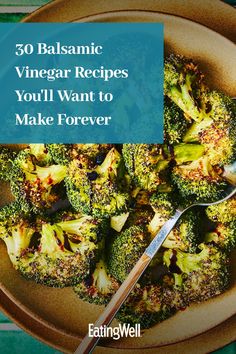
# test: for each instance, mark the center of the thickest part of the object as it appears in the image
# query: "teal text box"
(81, 83)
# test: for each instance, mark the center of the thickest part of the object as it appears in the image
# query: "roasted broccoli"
(60, 153)
(213, 113)
(99, 286)
(7, 157)
(64, 153)
(16, 230)
(148, 164)
(199, 180)
(115, 199)
(140, 198)
(224, 212)
(224, 236)
(40, 153)
(36, 186)
(183, 84)
(125, 250)
(219, 141)
(99, 190)
(145, 306)
(164, 206)
(173, 296)
(185, 235)
(217, 130)
(97, 151)
(175, 124)
(139, 216)
(63, 254)
(201, 275)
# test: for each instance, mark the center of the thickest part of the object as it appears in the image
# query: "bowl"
(60, 309)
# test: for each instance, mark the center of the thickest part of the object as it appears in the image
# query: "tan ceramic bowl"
(60, 309)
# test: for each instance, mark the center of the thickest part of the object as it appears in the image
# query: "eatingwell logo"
(123, 330)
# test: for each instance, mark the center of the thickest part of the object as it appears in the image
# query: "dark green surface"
(23, 2)
(229, 349)
(22, 343)
(11, 17)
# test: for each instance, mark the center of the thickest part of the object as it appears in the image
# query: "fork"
(88, 343)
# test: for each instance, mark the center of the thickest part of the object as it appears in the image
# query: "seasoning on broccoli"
(199, 180)
(183, 84)
(99, 286)
(36, 186)
(224, 212)
(99, 190)
(224, 236)
(7, 157)
(145, 306)
(125, 250)
(63, 253)
(200, 275)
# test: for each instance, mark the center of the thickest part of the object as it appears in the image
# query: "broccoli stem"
(192, 134)
(52, 239)
(188, 152)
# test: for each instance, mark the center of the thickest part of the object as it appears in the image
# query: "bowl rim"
(84, 19)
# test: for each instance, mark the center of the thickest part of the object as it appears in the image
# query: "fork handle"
(88, 343)
(117, 300)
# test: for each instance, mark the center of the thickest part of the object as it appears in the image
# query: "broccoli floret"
(163, 203)
(201, 275)
(140, 198)
(7, 157)
(224, 212)
(64, 153)
(164, 206)
(219, 108)
(99, 286)
(36, 186)
(98, 189)
(199, 180)
(125, 250)
(185, 235)
(175, 124)
(139, 216)
(66, 252)
(146, 164)
(183, 84)
(224, 236)
(78, 185)
(16, 230)
(60, 153)
(172, 295)
(219, 140)
(217, 131)
(144, 305)
(63, 253)
(41, 154)
(97, 151)
(59, 254)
